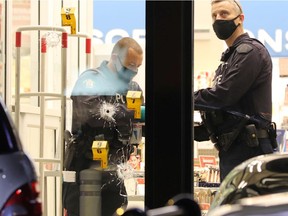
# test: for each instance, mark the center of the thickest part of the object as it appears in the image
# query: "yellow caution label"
(68, 18)
(134, 102)
(100, 151)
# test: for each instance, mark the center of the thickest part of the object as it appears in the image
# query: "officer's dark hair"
(124, 44)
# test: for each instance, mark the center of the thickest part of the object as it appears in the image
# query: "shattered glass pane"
(52, 38)
(109, 119)
(107, 111)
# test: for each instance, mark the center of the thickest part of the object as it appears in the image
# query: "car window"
(8, 141)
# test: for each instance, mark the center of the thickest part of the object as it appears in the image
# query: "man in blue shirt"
(100, 112)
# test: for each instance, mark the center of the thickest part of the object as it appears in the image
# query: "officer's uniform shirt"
(97, 91)
(242, 81)
(94, 86)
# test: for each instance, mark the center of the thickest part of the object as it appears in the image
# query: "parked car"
(265, 205)
(258, 176)
(19, 193)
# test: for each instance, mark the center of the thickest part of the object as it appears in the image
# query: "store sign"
(268, 22)
(115, 19)
(206, 160)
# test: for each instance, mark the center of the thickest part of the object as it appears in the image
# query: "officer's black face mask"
(224, 28)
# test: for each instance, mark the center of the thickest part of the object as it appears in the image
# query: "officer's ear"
(241, 17)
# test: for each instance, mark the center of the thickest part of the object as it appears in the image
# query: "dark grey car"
(18, 181)
(265, 205)
(258, 176)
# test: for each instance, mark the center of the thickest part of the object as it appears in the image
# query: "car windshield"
(8, 141)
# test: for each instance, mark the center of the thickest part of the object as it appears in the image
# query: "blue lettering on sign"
(113, 20)
(264, 20)
(268, 22)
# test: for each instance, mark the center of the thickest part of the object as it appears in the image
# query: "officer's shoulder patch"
(88, 83)
(244, 48)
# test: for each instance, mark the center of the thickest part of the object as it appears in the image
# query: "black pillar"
(169, 104)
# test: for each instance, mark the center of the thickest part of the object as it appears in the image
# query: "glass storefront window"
(113, 20)
(2, 47)
(109, 21)
(208, 48)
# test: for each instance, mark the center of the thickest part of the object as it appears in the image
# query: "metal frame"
(42, 95)
(169, 101)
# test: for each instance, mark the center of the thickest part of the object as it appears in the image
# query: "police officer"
(242, 83)
(100, 112)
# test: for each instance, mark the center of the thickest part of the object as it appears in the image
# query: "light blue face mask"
(125, 73)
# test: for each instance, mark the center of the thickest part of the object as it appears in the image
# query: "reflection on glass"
(125, 22)
(21, 16)
(1, 49)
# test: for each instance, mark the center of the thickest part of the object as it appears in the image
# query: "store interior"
(21, 68)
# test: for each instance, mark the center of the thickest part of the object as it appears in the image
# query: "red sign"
(207, 160)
